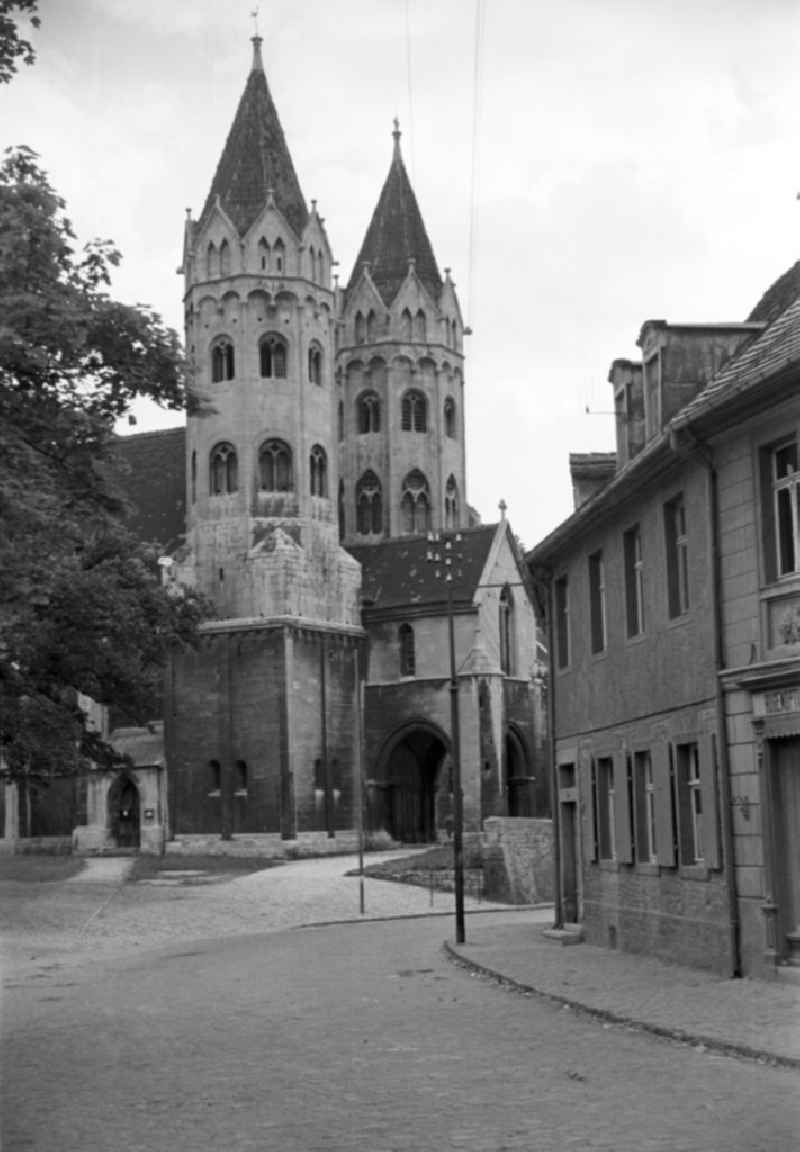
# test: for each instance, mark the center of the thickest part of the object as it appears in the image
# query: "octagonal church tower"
(399, 379)
(260, 732)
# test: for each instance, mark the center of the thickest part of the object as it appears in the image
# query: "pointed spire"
(256, 159)
(396, 235)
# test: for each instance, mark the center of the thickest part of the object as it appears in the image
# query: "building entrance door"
(569, 861)
(413, 774)
(787, 846)
(123, 812)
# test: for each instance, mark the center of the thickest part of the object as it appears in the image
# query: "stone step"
(566, 935)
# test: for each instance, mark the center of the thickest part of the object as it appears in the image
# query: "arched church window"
(405, 324)
(340, 510)
(272, 357)
(506, 624)
(315, 364)
(279, 254)
(370, 326)
(414, 412)
(223, 472)
(369, 505)
(223, 360)
(454, 335)
(212, 261)
(408, 658)
(312, 259)
(263, 255)
(275, 466)
(368, 410)
(451, 503)
(449, 416)
(420, 327)
(318, 468)
(359, 327)
(224, 258)
(415, 505)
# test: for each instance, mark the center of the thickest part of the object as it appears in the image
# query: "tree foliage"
(82, 609)
(13, 46)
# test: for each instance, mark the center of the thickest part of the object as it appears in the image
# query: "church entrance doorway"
(413, 773)
(518, 781)
(123, 812)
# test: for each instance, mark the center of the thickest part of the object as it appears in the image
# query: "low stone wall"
(518, 859)
(268, 845)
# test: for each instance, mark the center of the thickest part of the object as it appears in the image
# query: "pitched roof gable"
(256, 159)
(153, 478)
(397, 573)
(397, 234)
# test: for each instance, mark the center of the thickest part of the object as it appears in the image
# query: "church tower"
(261, 722)
(399, 380)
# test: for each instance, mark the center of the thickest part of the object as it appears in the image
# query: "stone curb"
(723, 1047)
(421, 915)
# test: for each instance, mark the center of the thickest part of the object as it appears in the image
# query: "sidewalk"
(754, 1018)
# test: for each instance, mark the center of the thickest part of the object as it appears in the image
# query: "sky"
(632, 159)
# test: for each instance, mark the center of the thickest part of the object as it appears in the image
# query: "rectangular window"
(690, 804)
(562, 621)
(786, 507)
(677, 556)
(597, 601)
(645, 801)
(605, 807)
(634, 581)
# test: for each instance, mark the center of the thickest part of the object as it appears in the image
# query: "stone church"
(317, 497)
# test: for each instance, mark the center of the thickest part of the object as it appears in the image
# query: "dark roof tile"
(152, 475)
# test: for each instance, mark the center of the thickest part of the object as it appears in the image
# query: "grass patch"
(147, 867)
(33, 869)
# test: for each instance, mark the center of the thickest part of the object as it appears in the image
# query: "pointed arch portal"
(415, 785)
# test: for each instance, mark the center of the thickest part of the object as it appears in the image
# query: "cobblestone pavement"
(359, 1038)
(753, 1015)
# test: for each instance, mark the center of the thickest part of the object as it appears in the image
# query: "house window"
(215, 778)
(369, 507)
(368, 412)
(645, 808)
(272, 357)
(315, 364)
(786, 504)
(634, 581)
(451, 503)
(223, 363)
(561, 614)
(241, 778)
(407, 654)
(690, 804)
(604, 807)
(506, 625)
(223, 470)
(597, 601)
(414, 412)
(318, 467)
(450, 417)
(677, 556)
(275, 466)
(415, 505)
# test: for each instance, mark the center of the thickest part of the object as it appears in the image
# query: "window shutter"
(665, 833)
(767, 516)
(588, 786)
(708, 788)
(622, 815)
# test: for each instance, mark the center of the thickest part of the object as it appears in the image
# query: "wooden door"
(787, 843)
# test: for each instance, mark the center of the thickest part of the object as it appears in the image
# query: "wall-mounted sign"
(149, 815)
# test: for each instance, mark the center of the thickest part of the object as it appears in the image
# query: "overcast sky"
(635, 159)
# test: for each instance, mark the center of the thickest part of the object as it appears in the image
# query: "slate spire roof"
(396, 234)
(256, 159)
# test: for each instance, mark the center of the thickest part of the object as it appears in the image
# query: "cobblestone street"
(350, 1036)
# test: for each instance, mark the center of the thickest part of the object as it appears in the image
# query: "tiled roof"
(777, 347)
(153, 477)
(778, 296)
(255, 159)
(396, 234)
(396, 573)
(592, 463)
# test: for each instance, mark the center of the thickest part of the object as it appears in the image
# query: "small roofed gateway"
(673, 595)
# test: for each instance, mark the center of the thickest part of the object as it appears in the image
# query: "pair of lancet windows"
(415, 504)
(369, 505)
(275, 470)
(414, 327)
(414, 412)
(365, 328)
(271, 259)
(272, 357)
(218, 260)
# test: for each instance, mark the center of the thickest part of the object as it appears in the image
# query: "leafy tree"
(82, 609)
(14, 47)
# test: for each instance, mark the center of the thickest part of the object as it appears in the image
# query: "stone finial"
(503, 508)
(258, 63)
(313, 207)
(188, 213)
(396, 137)
(270, 197)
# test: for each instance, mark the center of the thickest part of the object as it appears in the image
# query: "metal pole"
(458, 799)
(359, 774)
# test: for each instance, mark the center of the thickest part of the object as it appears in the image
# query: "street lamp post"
(455, 742)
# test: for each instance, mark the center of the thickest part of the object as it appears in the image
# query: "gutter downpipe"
(558, 912)
(722, 731)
